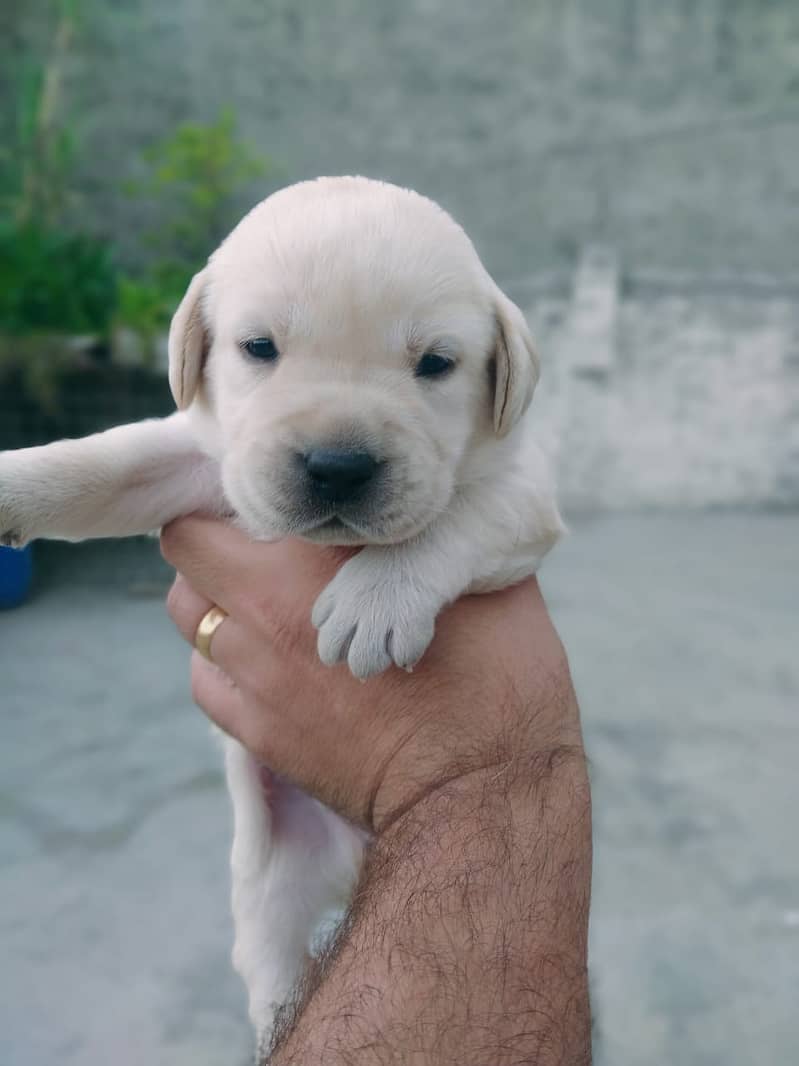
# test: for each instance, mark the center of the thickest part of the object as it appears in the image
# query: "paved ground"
(683, 635)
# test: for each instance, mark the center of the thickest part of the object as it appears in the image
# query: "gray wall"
(668, 127)
(665, 131)
(663, 390)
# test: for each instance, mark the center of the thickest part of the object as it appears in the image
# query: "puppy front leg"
(128, 480)
(381, 606)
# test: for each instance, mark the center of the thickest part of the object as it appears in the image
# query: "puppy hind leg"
(293, 860)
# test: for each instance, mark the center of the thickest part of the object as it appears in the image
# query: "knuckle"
(174, 598)
(171, 540)
(167, 541)
(184, 606)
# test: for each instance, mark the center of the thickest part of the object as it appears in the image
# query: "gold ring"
(209, 623)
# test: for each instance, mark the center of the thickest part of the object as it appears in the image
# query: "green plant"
(143, 306)
(36, 167)
(196, 173)
(54, 282)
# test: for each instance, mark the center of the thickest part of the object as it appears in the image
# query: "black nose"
(337, 474)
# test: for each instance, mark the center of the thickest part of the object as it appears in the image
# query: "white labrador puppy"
(345, 371)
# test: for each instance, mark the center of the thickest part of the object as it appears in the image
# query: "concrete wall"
(668, 128)
(668, 391)
(664, 130)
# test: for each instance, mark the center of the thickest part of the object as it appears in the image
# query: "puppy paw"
(372, 615)
(17, 523)
(12, 530)
(12, 538)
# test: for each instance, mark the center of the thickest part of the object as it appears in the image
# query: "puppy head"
(354, 356)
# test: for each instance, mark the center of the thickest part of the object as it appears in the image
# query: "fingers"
(187, 608)
(213, 556)
(231, 570)
(212, 687)
(216, 695)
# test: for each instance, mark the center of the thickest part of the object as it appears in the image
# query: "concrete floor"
(684, 640)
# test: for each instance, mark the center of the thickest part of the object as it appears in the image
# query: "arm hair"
(466, 940)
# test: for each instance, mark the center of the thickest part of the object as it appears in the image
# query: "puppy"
(345, 370)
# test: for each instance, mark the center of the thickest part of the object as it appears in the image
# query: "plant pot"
(16, 572)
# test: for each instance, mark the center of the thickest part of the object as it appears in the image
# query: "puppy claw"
(408, 667)
(412, 641)
(366, 660)
(12, 539)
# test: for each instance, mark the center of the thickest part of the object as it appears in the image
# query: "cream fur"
(354, 280)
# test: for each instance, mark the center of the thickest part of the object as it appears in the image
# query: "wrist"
(513, 777)
(515, 715)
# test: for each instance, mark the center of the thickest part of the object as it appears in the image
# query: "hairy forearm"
(466, 942)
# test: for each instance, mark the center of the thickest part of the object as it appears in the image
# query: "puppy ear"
(517, 365)
(188, 342)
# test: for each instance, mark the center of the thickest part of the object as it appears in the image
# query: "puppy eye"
(263, 348)
(432, 365)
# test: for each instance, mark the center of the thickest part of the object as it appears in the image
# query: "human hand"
(493, 688)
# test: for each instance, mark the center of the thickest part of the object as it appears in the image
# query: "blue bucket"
(16, 571)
